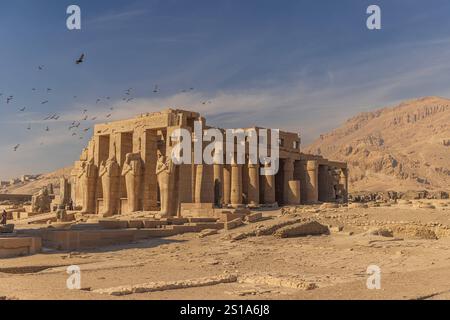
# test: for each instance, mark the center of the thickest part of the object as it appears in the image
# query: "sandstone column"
(312, 191)
(226, 184)
(268, 188)
(236, 185)
(132, 171)
(344, 183)
(253, 184)
(109, 173)
(165, 174)
(294, 192)
(288, 171)
(88, 179)
(198, 183)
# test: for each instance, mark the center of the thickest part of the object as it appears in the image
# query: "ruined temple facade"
(127, 167)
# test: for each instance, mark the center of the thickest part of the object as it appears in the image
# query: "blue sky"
(303, 66)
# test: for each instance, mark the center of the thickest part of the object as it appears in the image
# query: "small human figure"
(71, 205)
(4, 218)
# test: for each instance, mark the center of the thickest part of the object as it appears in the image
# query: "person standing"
(4, 218)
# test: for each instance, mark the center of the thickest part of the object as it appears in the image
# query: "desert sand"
(408, 240)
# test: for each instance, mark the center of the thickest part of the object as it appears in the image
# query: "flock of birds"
(76, 128)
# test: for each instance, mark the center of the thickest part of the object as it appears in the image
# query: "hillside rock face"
(37, 185)
(406, 147)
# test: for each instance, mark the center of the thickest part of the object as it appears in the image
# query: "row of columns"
(226, 183)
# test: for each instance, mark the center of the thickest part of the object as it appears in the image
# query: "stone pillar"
(294, 192)
(132, 171)
(64, 192)
(236, 185)
(268, 188)
(218, 184)
(204, 184)
(88, 180)
(288, 172)
(198, 183)
(165, 174)
(344, 183)
(226, 184)
(311, 185)
(110, 176)
(253, 184)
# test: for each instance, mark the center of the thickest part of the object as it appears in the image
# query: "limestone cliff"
(405, 147)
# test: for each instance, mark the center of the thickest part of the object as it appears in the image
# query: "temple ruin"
(127, 168)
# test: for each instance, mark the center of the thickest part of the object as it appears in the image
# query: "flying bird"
(44, 102)
(22, 109)
(16, 147)
(108, 115)
(80, 59)
(156, 89)
(40, 67)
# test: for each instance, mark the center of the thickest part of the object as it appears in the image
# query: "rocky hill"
(34, 186)
(405, 147)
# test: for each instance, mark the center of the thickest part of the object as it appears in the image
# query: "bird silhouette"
(22, 109)
(41, 67)
(44, 102)
(47, 128)
(16, 147)
(156, 89)
(80, 59)
(108, 115)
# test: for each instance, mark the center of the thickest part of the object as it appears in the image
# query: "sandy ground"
(413, 266)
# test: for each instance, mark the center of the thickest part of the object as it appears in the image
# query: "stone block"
(234, 224)
(19, 246)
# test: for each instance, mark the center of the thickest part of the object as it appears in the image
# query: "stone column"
(344, 183)
(198, 183)
(110, 173)
(236, 185)
(132, 171)
(268, 188)
(294, 192)
(64, 191)
(226, 184)
(253, 184)
(88, 180)
(288, 171)
(312, 190)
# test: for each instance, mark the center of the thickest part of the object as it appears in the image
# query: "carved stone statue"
(132, 171)
(164, 172)
(40, 202)
(87, 179)
(109, 173)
